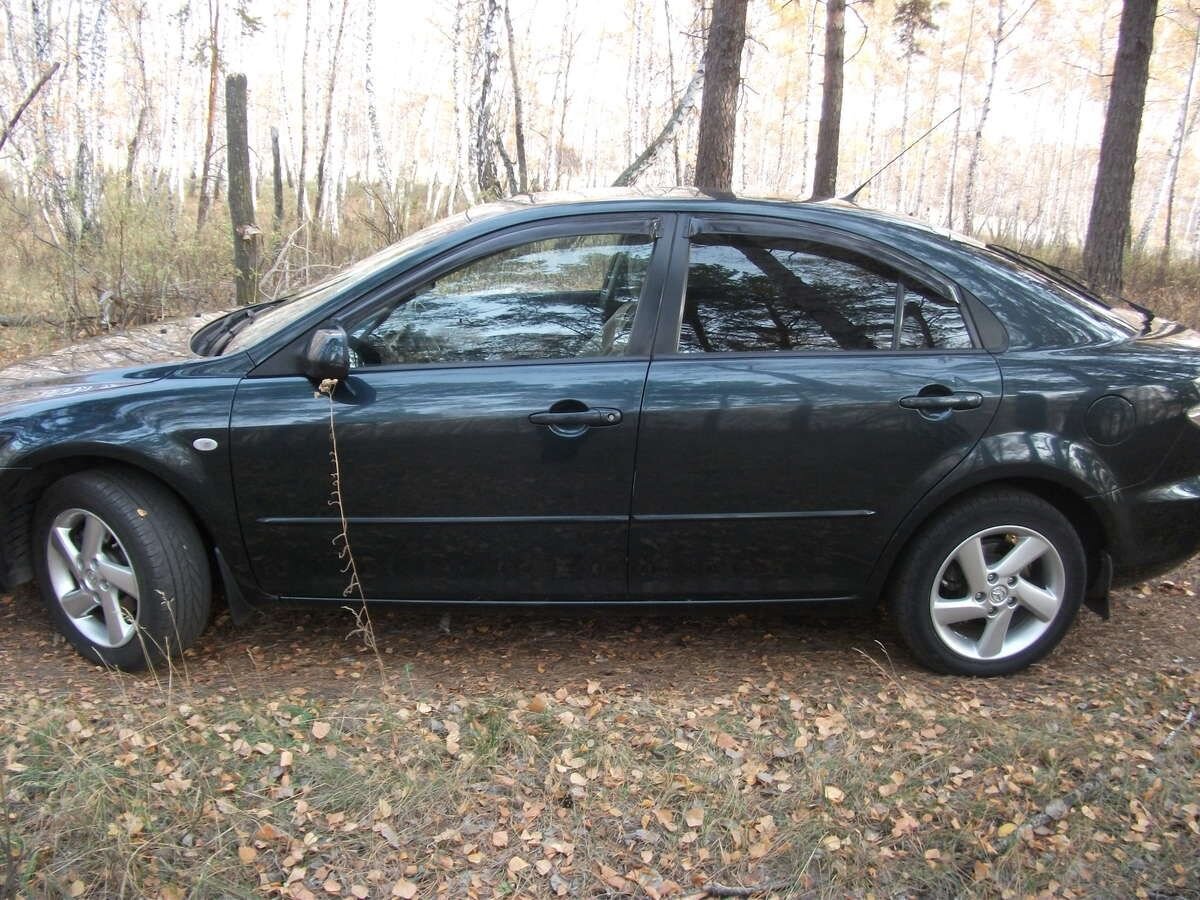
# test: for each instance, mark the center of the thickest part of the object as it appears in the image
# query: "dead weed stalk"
(364, 628)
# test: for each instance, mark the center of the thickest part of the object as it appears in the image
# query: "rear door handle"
(941, 402)
(584, 418)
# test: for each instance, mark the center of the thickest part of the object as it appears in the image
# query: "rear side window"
(747, 293)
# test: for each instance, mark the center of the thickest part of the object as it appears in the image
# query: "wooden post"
(247, 238)
(277, 171)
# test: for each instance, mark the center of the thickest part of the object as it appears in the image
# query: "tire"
(990, 586)
(121, 567)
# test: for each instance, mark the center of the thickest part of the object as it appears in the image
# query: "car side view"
(653, 397)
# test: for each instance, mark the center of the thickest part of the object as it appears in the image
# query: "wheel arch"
(1094, 532)
(26, 491)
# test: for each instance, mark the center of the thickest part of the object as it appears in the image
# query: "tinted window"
(553, 299)
(753, 294)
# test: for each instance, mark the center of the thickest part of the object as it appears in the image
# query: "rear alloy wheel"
(991, 586)
(121, 568)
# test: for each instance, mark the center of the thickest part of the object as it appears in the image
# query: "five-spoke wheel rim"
(998, 592)
(92, 578)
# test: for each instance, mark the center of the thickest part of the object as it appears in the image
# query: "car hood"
(19, 393)
(105, 363)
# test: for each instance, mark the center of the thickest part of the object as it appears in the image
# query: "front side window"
(747, 293)
(559, 298)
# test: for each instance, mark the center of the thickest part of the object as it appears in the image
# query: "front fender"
(150, 427)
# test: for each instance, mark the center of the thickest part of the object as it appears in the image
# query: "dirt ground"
(1153, 628)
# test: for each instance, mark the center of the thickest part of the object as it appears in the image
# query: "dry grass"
(859, 783)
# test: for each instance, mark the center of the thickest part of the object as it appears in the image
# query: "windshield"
(269, 319)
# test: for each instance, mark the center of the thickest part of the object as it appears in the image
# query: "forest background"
(384, 116)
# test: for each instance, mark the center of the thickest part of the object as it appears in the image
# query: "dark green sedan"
(651, 398)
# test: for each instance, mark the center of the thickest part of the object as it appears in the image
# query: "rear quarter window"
(1036, 310)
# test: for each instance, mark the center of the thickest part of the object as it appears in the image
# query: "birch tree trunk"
(483, 129)
(809, 66)
(302, 172)
(977, 144)
(462, 140)
(518, 114)
(214, 18)
(91, 54)
(962, 83)
(324, 193)
(1183, 130)
(1166, 190)
(686, 102)
(381, 155)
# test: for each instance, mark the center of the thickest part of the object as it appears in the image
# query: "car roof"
(683, 199)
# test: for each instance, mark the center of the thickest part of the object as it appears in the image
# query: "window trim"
(286, 361)
(666, 343)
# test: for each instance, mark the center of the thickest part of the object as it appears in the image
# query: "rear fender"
(1064, 467)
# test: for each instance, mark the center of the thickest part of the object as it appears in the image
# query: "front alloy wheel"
(121, 567)
(92, 578)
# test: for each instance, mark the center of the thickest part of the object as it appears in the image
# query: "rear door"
(807, 388)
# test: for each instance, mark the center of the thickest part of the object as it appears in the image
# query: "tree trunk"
(175, 151)
(302, 171)
(962, 81)
(213, 70)
(276, 177)
(518, 116)
(810, 56)
(90, 56)
(718, 106)
(829, 132)
(686, 102)
(1182, 129)
(247, 239)
(484, 127)
(33, 92)
(324, 194)
(462, 140)
(977, 144)
(558, 99)
(1108, 224)
(381, 154)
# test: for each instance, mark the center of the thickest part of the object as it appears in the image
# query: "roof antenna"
(849, 198)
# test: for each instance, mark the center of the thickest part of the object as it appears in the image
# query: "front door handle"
(943, 402)
(577, 419)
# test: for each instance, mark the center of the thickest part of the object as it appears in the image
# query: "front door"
(806, 391)
(485, 436)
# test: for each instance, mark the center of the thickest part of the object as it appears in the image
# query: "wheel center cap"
(999, 595)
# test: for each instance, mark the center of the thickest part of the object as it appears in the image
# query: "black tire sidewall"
(934, 544)
(139, 529)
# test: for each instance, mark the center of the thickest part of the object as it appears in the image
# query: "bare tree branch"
(33, 92)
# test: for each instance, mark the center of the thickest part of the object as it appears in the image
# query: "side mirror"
(327, 354)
